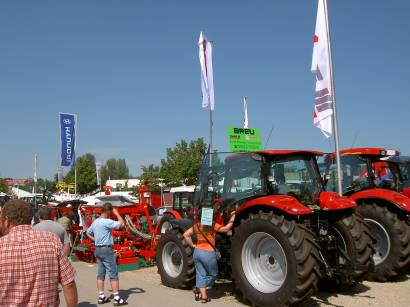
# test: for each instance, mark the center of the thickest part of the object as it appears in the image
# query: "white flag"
(35, 169)
(245, 110)
(207, 79)
(98, 166)
(323, 112)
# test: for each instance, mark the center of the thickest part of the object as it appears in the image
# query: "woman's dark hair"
(17, 212)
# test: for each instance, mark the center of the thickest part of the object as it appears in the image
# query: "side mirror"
(271, 179)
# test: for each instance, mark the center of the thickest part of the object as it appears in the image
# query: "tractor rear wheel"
(175, 260)
(275, 260)
(354, 240)
(392, 235)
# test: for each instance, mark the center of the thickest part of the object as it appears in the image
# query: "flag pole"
(75, 179)
(75, 150)
(335, 124)
(35, 181)
(211, 123)
(210, 130)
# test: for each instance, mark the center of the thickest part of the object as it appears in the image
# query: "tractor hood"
(332, 201)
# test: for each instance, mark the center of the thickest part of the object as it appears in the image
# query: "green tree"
(150, 173)
(42, 185)
(115, 169)
(182, 162)
(86, 175)
(3, 187)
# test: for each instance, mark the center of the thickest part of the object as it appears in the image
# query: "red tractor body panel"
(284, 203)
(394, 197)
(332, 201)
(406, 191)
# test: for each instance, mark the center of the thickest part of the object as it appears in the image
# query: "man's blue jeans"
(106, 262)
(206, 267)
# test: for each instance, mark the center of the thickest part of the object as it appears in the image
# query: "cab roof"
(365, 151)
(289, 152)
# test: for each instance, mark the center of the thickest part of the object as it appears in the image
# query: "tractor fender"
(399, 200)
(175, 214)
(333, 201)
(284, 203)
(181, 224)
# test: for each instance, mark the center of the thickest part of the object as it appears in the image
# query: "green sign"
(244, 139)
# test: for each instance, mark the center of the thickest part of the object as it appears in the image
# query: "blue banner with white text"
(67, 127)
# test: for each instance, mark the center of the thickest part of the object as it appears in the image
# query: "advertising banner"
(11, 182)
(244, 139)
(67, 133)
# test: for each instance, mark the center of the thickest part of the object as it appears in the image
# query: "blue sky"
(130, 70)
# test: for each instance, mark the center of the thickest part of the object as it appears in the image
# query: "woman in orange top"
(206, 264)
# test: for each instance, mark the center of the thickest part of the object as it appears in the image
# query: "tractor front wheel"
(165, 224)
(392, 247)
(275, 260)
(175, 260)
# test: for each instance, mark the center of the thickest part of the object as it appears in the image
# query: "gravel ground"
(143, 288)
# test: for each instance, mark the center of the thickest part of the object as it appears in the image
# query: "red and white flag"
(323, 113)
(245, 113)
(207, 79)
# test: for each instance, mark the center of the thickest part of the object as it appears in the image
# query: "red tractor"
(182, 206)
(377, 187)
(288, 235)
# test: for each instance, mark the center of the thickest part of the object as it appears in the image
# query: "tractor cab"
(364, 168)
(182, 199)
(230, 180)
(403, 163)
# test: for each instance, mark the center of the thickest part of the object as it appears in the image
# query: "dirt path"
(143, 288)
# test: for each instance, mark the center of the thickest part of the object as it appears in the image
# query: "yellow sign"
(63, 185)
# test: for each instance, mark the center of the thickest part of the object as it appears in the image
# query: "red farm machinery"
(289, 233)
(134, 245)
(376, 179)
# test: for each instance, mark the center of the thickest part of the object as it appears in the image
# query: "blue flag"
(67, 130)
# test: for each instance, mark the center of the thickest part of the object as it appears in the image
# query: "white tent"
(19, 193)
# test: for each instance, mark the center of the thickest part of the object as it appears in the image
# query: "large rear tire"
(354, 240)
(275, 260)
(175, 260)
(392, 247)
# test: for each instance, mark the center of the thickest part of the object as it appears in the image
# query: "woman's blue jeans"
(206, 267)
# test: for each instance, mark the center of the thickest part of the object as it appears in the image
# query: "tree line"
(180, 166)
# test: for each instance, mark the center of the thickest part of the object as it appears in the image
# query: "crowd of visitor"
(34, 259)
